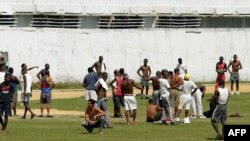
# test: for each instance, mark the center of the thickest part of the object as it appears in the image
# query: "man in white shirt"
(164, 96)
(185, 98)
(27, 92)
(220, 113)
(182, 67)
(2, 73)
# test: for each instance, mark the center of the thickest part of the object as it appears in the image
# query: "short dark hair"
(92, 101)
(121, 71)
(163, 71)
(170, 72)
(10, 70)
(90, 70)
(150, 101)
(176, 70)
(22, 65)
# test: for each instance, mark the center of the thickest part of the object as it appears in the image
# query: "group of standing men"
(9, 94)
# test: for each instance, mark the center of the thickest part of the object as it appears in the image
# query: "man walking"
(129, 98)
(220, 112)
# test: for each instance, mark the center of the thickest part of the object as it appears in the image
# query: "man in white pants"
(185, 98)
(196, 105)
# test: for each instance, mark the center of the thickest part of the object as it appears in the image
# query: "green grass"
(67, 128)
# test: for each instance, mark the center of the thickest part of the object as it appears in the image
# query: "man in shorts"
(221, 68)
(176, 84)
(6, 92)
(129, 98)
(234, 74)
(89, 82)
(14, 81)
(156, 87)
(220, 112)
(27, 93)
(102, 89)
(119, 97)
(146, 72)
(45, 84)
(189, 88)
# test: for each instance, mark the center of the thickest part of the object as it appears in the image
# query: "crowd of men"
(9, 93)
(173, 91)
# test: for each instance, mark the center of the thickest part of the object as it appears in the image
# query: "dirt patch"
(53, 112)
(64, 94)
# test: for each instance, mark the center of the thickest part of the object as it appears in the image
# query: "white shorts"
(185, 101)
(90, 94)
(130, 103)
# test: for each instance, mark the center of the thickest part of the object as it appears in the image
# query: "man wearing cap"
(185, 98)
(129, 98)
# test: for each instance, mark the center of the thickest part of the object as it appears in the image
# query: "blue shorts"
(5, 107)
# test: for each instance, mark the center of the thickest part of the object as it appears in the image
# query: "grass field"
(67, 128)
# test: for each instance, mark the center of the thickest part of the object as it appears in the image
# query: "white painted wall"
(71, 51)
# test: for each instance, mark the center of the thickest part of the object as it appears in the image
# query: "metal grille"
(121, 22)
(55, 21)
(177, 22)
(8, 20)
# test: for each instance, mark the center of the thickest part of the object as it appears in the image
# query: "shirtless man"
(101, 90)
(129, 98)
(234, 74)
(99, 66)
(45, 84)
(156, 87)
(153, 111)
(176, 85)
(221, 68)
(94, 117)
(146, 72)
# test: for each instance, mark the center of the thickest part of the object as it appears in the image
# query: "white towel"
(102, 83)
(103, 68)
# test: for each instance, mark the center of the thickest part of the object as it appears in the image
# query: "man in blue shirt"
(89, 84)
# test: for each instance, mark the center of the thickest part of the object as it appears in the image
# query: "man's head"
(11, 70)
(235, 57)
(91, 103)
(221, 59)
(158, 74)
(100, 58)
(47, 66)
(104, 76)
(170, 73)
(187, 77)
(90, 70)
(179, 60)
(176, 71)
(121, 71)
(116, 72)
(145, 61)
(150, 101)
(24, 66)
(164, 73)
(7, 78)
(125, 76)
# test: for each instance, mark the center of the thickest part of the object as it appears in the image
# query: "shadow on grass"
(210, 139)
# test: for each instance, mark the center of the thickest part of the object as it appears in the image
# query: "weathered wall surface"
(71, 51)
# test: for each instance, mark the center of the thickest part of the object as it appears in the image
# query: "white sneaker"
(232, 93)
(186, 120)
(202, 116)
(237, 93)
(177, 119)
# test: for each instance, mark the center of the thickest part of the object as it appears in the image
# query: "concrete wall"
(71, 51)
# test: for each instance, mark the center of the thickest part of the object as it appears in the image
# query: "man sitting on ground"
(153, 111)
